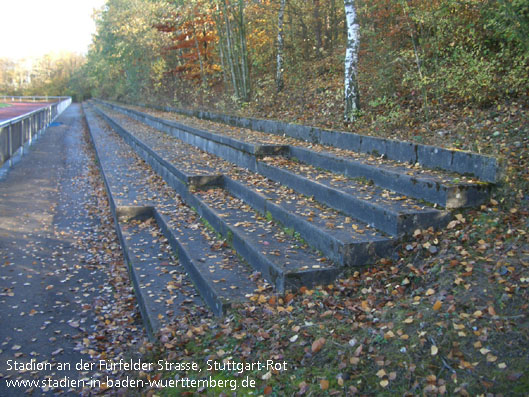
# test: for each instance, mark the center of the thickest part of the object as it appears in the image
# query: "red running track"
(19, 108)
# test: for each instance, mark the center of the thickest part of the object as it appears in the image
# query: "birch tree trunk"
(280, 45)
(352, 102)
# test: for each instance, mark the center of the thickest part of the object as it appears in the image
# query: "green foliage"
(444, 51)
(126, 54)
(51, 74)
(413, 54)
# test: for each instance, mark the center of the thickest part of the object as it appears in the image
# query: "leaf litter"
(438, 307)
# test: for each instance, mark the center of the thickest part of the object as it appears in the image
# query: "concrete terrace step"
(159, 281)
(282, 259)
(382, 209)
(346, 241)
(188, 173)
(390, 213)
(138, 195)
(336, 235)
(447, 189)
(240, 152)
(304, 267)
(483, 167)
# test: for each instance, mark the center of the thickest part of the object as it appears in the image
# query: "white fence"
(15, 133)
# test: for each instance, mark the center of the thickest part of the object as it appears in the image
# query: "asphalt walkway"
(52, 262)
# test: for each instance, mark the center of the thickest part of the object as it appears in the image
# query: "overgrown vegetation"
(446, 316)
(446, 321)
(419, 55)
(415, 57)
(449, 321)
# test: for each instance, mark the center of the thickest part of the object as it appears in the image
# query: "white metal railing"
(16, 132)
(32, 98)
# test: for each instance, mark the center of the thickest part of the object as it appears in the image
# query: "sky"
(32, 28)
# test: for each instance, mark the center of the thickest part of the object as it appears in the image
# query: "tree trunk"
(317, 28)
(333, 28)
(245, 71)
(199, 55)
(352, 102)
(305, 37)
(230, 51)
(222, 48)
(280, 45)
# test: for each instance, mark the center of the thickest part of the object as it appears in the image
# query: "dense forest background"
(415, 57)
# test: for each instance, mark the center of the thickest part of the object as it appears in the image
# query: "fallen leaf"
(73, 324)
(434, 350)
(58, 351)
(318, 344)
(491, 358)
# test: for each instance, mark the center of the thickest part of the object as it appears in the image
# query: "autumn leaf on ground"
(318, 344)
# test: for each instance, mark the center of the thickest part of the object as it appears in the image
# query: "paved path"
(48, 276)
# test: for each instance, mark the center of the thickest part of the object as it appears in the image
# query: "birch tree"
(352, 102)
(280, 45)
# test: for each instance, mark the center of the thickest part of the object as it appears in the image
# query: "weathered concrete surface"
(435, 190)
(396, 218)
(344, 247)
(444, 189)
(44, 277)
(484, 167)
(302, 268)
(170, 156)
(131, 190)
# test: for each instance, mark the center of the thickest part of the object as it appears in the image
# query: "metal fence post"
(22, 135)
(10, 143)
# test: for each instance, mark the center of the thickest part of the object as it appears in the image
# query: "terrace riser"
(450, 197)
(374, 214)
(186, 243)
(251, 253)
